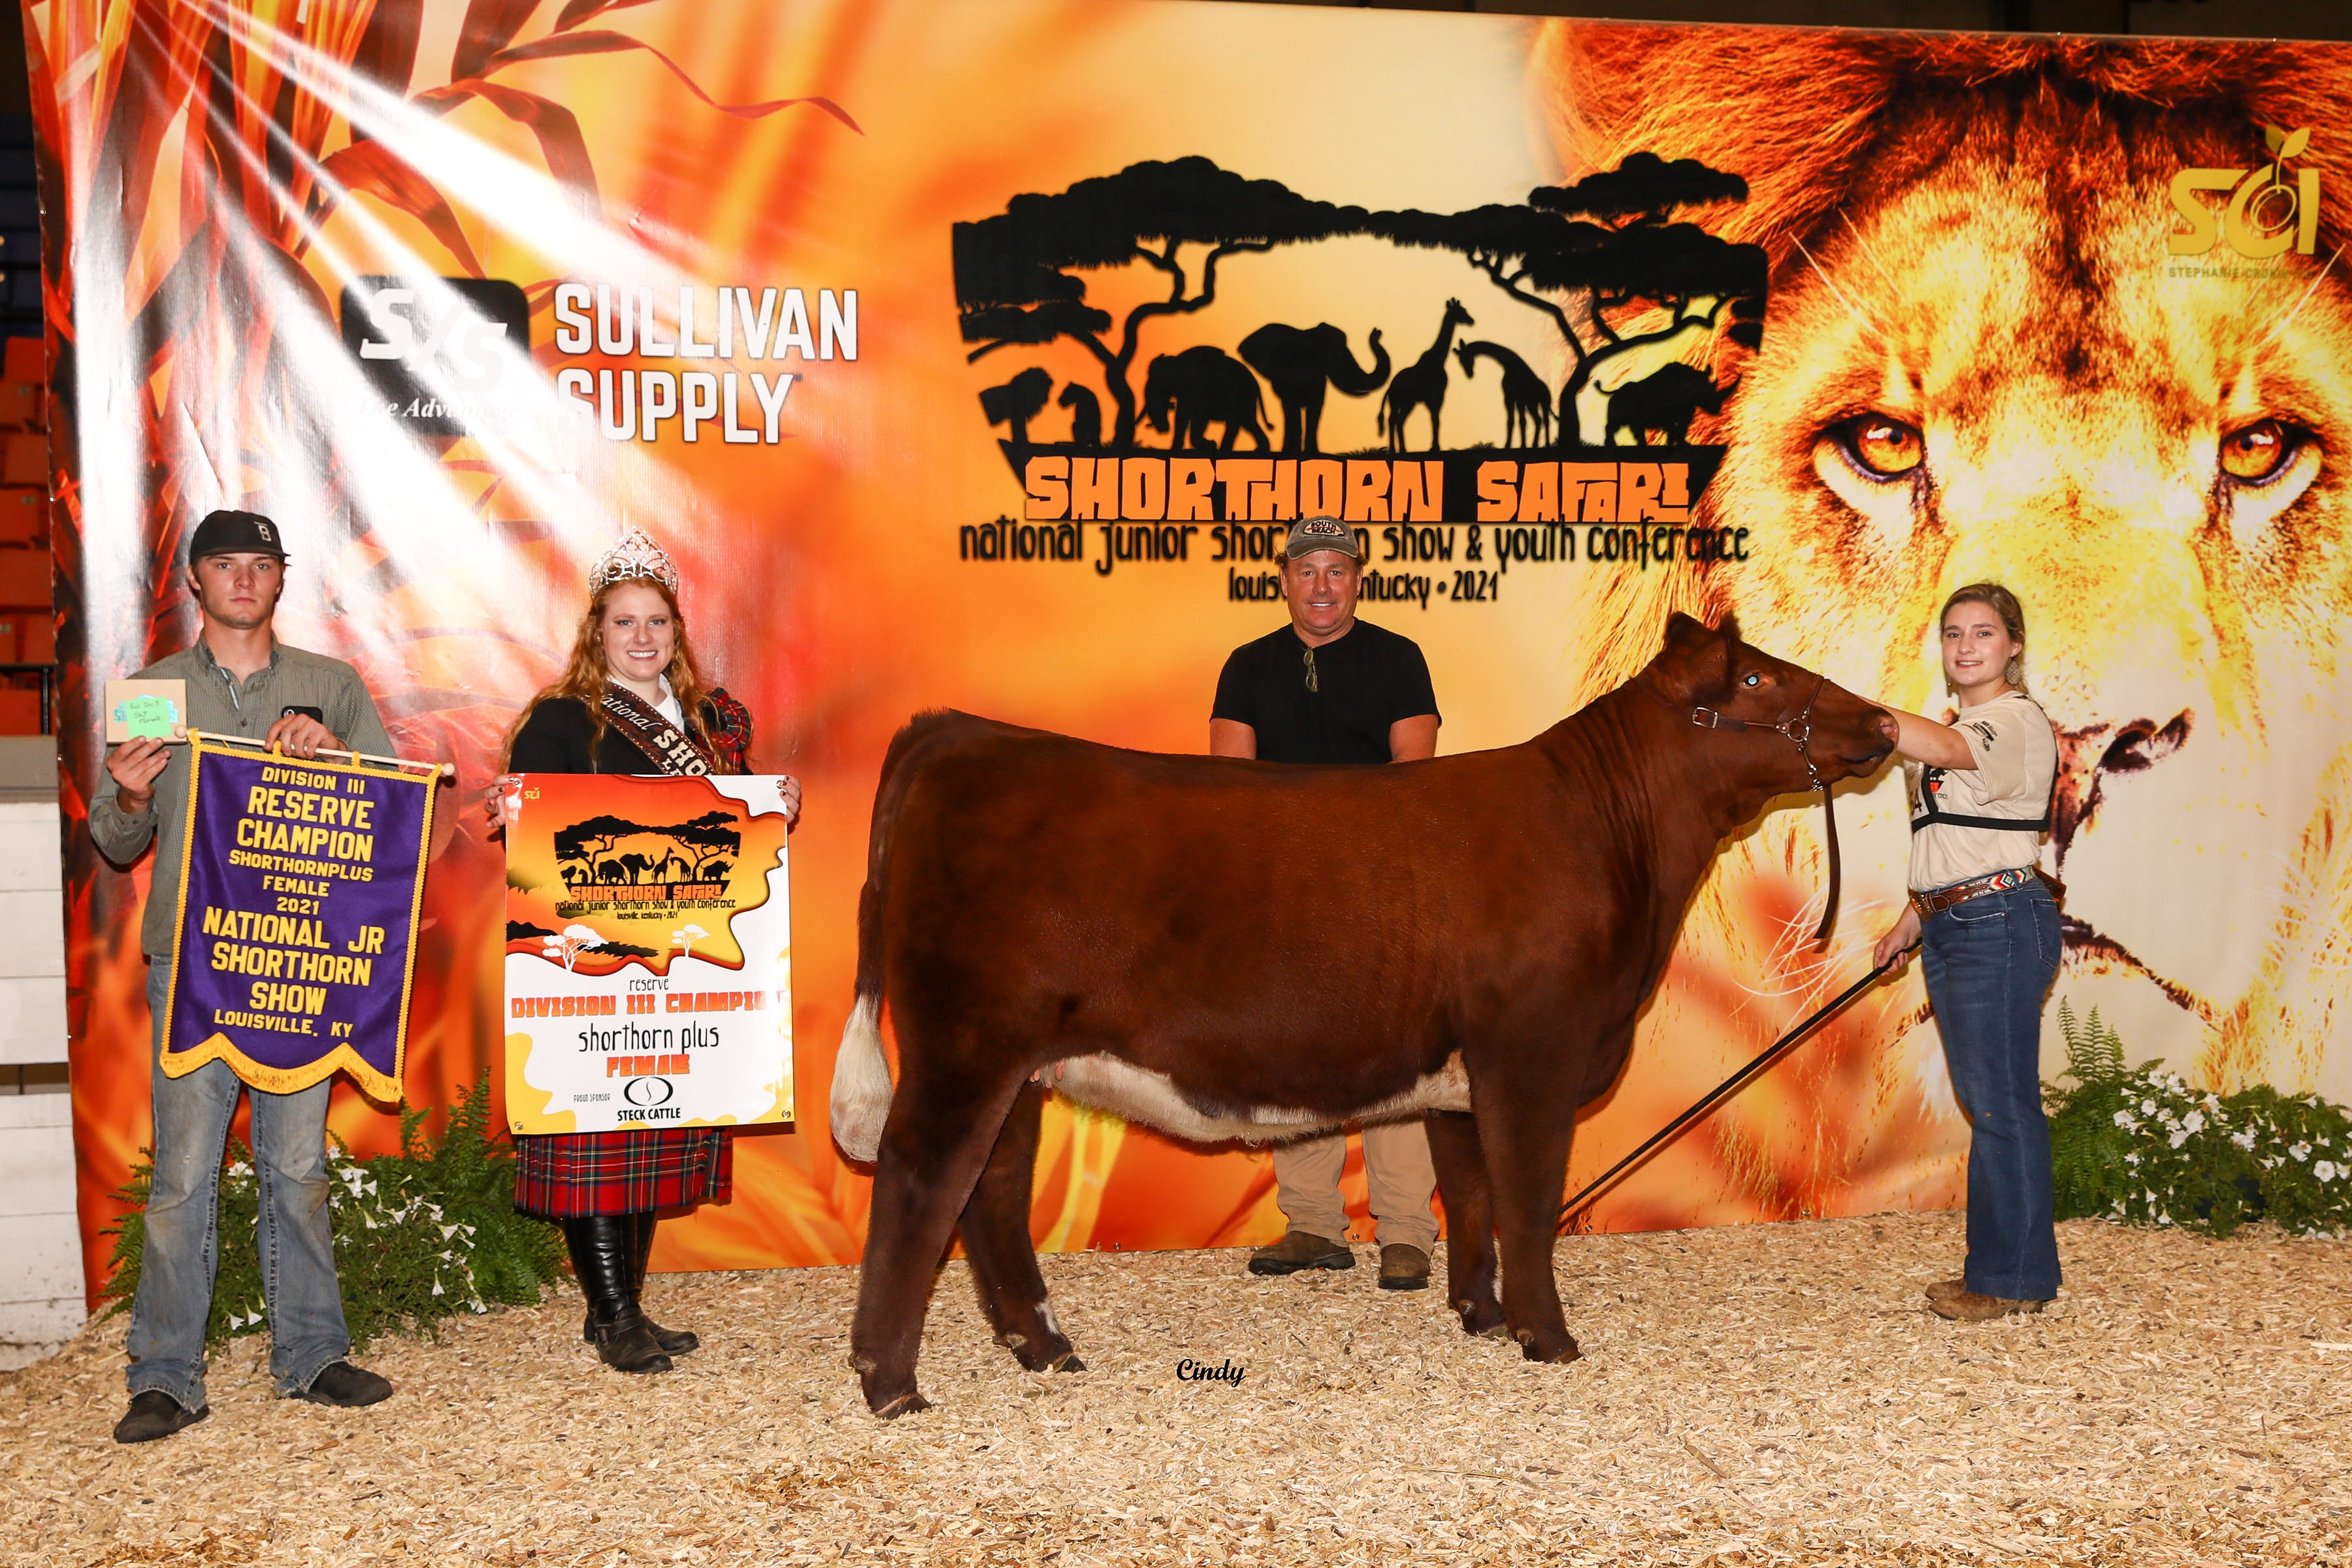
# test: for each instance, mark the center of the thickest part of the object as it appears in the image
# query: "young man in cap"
(1330, 689)
(241, 681)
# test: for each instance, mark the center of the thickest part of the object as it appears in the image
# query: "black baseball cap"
(227, 532)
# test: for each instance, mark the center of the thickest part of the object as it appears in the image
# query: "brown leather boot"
(1944, 1289)
(1968, 1307)
(1301, 1250)
(1404, 1266)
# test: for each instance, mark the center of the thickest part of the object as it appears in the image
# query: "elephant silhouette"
(1301, 364)
(1527, 401)
(1018, 401)
(637, 866)
(1086, 416)
(612, 871)
(1200, 387)
(1666, 401)
(1421, 383)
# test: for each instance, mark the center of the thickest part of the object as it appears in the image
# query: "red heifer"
(1225, 948)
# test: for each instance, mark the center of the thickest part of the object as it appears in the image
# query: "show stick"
(210, 738)
(1721, 1092)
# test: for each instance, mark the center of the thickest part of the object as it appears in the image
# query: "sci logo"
(2271, 208)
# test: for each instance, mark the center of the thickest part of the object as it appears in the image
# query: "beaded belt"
(1976, 888)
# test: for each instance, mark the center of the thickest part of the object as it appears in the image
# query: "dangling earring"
(2014, 672)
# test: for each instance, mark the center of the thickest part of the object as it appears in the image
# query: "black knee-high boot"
(676, 1341)
(673, 1341)
(604, 1252)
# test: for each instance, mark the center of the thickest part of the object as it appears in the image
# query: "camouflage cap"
(1309, 534)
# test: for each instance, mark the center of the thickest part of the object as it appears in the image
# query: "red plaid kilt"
(566, 1175)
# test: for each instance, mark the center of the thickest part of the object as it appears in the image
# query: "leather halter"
(1797, 732)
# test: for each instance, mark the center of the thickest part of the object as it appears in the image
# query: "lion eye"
(1883, 449)
(2256, 454)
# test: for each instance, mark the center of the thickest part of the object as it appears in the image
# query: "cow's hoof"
(1069, 1363)
(1559, 1350)
(1481, 1318)
(907, 1404)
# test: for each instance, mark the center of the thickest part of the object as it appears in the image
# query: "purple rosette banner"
(298, 910)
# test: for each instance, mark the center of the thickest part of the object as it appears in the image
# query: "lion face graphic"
(1980, 362)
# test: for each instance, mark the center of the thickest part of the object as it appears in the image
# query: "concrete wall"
(40, 1283)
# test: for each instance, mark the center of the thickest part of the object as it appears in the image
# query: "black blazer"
(555, 740)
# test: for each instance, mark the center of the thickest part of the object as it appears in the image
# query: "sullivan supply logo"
(435, 350)
(2268, 210)
(1632, 311)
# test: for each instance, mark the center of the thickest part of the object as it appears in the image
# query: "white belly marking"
(1140, 1095)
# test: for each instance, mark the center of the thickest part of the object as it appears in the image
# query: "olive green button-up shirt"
(219, 704)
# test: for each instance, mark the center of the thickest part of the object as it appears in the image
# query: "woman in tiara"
(629, 701)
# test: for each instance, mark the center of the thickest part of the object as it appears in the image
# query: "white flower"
(2299, 1151)
(2326, 1171)
(2194, 1122)
(2178, 1139)
(2243, 1139)
(2124, 1119)
(2147, 1108)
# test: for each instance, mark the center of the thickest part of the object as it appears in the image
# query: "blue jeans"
(1989, 963)
(298, 1245)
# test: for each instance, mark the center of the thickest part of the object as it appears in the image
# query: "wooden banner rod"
(445, 770)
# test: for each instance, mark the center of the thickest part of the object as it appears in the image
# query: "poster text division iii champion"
(648, 954)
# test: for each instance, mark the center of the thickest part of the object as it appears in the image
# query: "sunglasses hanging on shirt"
(1312, 683)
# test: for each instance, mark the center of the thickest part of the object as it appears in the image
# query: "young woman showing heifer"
(629, 702)
(1988, 919)
(1229, 949)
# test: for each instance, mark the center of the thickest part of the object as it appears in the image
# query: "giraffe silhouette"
(1421, 383)
(1527, 401)
(1086, 416)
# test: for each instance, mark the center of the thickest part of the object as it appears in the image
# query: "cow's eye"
(1880, 448)
(1752, 680)
(2257, 454)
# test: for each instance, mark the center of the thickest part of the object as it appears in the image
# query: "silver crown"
(635, 556)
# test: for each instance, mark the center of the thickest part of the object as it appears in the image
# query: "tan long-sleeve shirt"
(219, 704)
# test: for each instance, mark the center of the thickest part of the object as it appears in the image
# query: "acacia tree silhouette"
(1611, 244)
(1016, 273)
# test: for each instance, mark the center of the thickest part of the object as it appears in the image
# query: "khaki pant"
(1396, 1168)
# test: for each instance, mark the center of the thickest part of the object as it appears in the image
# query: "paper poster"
(648, 954)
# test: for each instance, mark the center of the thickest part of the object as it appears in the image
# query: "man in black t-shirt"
(1330, 689)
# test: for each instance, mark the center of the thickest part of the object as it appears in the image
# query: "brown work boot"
(1968, 1307)
(1944, 1289)
(1301, 1250)
(1404, 1266)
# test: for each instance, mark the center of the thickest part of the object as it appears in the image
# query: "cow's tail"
(861, 1074)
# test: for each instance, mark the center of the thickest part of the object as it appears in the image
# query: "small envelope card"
(139, 709)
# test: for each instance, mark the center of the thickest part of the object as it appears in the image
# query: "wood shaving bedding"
(1751, 1395)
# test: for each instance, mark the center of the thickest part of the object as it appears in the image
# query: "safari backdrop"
(973, 354)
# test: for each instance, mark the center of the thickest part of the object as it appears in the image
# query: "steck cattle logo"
(1177, 450)
(2268, 210)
